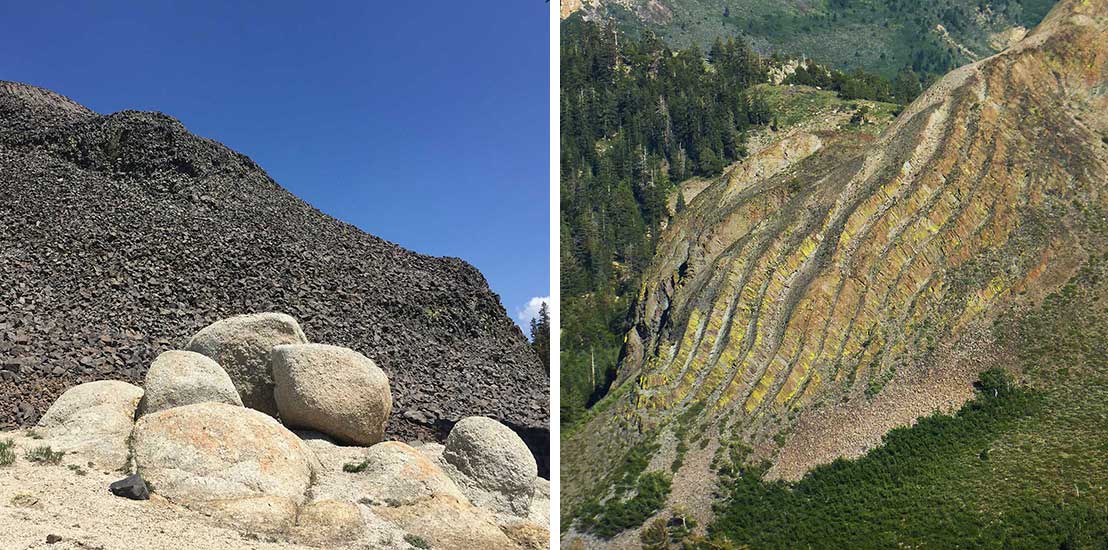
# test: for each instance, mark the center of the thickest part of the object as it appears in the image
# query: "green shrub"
(355, 467)
(7, 454)
(44, 455)
(417, 541)
(617, 515)
(655, 536)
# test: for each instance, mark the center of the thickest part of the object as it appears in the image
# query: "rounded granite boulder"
(235, 462)
(491, 465)
(178, 378)
(241, 345)
(94, 420)
(334, 390)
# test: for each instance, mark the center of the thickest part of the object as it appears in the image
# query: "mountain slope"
(122, 232)
(878, 35)
(829, 289)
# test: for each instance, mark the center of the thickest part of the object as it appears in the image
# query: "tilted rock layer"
(819, 280)
(123, 232)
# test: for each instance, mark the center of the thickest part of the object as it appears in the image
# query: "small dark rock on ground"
(132, 487)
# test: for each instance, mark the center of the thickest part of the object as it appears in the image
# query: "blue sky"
(425, 123)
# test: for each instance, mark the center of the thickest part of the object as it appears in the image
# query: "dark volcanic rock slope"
(122, 235)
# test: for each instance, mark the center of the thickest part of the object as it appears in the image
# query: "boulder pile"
(124, 234)
(305, 460)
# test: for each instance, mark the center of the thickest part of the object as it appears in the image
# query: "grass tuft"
(417, 541)
(44, 455)
(7, 453)
(355, 467)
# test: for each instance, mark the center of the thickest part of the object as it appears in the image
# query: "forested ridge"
(883, 36)
(636, 117)
(639, 117)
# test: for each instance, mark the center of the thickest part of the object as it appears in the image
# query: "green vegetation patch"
(632, 495)
(44, 455)
(7, 452)
(417, 541)
(619, 514)
(355, 467)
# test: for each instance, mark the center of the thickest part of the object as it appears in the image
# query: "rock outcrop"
(93, 420)
(242, 345)
(388, 474)
(333, 390)
(447, 522)
(232, 460)
(329, 522)
(245, 470)
(195, 448)
(178, 378)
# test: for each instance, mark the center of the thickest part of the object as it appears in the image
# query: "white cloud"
(530, 311)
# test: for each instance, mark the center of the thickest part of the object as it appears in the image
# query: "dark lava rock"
(53, 539)
(132, 487)
(100, 235)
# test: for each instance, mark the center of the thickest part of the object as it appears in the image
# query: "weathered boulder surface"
(332, 389)
(326, 522)
(400, 485)
(94, 420)
(433, 451)
(262, 514)
(491, 464)
(448, 522)
(527, 535)
(540, 503)
(178, 378)
(237, 462)
(242, 345)
(391, 473)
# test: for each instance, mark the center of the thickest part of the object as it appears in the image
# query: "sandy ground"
(37, 501)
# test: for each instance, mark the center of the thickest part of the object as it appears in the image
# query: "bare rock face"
(263, 514)
(391, 474)
(237, 462)
(400, 485)
(332, 389)
(447, 522)
(94, 420)
(783, 297)
(528, 535)
(328, 522)
(540, 503)
(241, 345)
(178, 378)
(492, 465)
